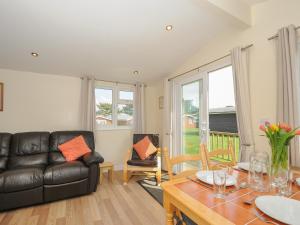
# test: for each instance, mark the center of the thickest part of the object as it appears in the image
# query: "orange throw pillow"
(144, 148)
(74, 148)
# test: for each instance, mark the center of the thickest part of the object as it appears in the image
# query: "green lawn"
(191, 143)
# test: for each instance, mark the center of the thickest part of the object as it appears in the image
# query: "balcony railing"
(219, 140)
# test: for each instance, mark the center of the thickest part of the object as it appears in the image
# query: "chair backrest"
(154, 138)
(171, 162)
(210, 155)
(29, 149)
(59, 137)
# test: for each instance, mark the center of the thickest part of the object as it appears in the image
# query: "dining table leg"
(169, 210)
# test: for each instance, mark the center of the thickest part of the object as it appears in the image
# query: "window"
(125, 108)
(114, 107)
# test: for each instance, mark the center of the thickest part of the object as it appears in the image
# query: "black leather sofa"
(33, 170)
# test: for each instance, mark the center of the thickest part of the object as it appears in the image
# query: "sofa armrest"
(92, 157)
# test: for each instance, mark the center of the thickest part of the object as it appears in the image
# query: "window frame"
(116, 88)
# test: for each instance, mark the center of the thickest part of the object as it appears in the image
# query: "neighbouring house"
(189, 121)
(123, 119)
(223, 119)
(103, 120)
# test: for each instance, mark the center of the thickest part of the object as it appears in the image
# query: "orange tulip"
(285, 127)
(297, 132)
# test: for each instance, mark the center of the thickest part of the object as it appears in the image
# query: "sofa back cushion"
(29, 149)
(5, 139)
(59, 137)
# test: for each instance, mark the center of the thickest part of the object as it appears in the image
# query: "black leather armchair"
(33, 170)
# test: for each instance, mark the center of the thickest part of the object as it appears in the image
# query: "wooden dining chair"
(171, 162)
(210, 156)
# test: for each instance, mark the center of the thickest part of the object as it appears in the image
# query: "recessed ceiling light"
(34, 54)
(136, 72)
(169, 27)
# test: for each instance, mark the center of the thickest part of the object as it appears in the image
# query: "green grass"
(191, 143)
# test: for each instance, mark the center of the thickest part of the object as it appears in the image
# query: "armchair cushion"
(92, 157)
(146, 163)
(145, 148)
(74, 148)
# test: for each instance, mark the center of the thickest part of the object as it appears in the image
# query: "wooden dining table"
(197, 201)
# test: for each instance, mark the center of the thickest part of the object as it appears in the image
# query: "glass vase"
(279, 165)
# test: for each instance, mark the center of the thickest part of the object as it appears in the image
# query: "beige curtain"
(88, 108)
(139, 118)
(239, 60)
(288, 85)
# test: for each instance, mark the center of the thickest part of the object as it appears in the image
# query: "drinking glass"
(219, 178)
(285, 183)
(259, 167)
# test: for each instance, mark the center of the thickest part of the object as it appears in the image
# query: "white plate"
(206, 176)
(280, 208)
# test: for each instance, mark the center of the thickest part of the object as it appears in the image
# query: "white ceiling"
(253, 2)
(106, 38)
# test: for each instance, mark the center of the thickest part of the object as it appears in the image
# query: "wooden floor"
(112, 204)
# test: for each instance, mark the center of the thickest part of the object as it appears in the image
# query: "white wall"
(38, 102)
(152, 111)
(113, 145)
(268, 17)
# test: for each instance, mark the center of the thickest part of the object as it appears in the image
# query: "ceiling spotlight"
(169, 27)
(34, 54)
(136, 72)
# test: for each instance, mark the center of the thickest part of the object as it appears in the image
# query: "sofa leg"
(158, 177)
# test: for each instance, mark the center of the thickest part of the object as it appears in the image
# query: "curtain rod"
(215, 60)
(116, 82)
(276, 35)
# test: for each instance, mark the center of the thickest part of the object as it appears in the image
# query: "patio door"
(191, 114)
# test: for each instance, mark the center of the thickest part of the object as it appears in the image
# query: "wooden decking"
(112, 204)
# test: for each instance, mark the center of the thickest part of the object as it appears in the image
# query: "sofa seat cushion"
(65, 173)
(146, 163)
(21, 179)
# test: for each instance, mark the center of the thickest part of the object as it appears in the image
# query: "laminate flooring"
(112, 204)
